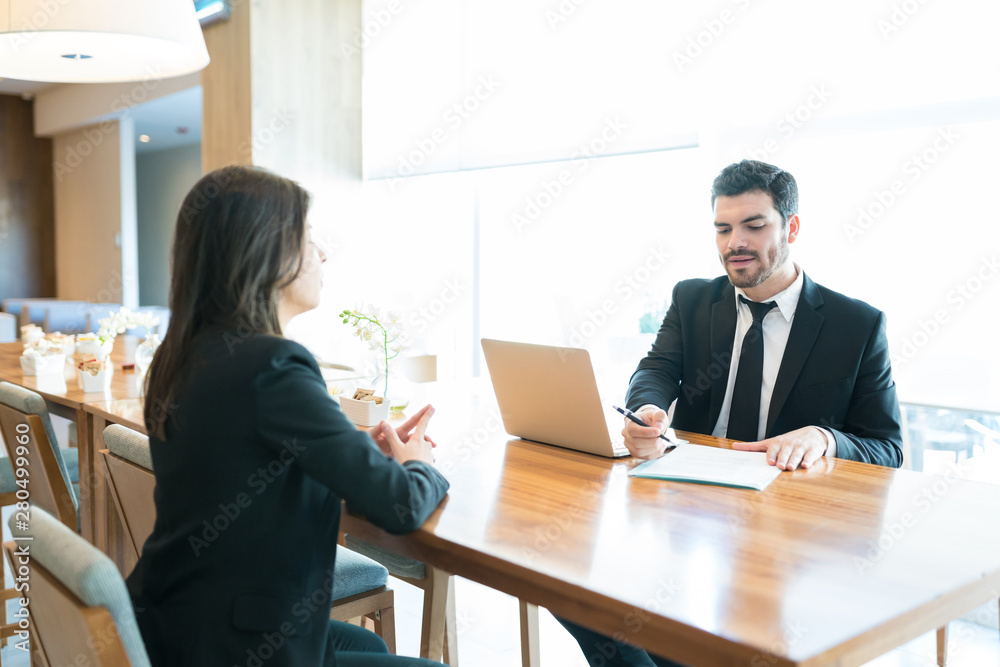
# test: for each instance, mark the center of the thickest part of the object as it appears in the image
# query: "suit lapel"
(723, 333)
(802, 337)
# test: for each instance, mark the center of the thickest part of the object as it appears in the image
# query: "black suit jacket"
(835, 371)
(249, 482)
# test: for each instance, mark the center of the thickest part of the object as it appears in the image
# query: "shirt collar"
(787, 299)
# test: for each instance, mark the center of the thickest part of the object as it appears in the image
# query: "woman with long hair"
(252, 458)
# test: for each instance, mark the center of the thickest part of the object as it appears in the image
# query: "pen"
(632, 416)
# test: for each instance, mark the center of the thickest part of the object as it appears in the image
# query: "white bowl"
(92, 348)
(364, 413)
(50, 364)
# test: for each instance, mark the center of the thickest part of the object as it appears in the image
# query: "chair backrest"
(27, 433)
(129, 469)
(8, 328)
(64, 316)
(18, 308)
(78, 603)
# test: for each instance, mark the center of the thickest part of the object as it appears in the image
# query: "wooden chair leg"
(433, 623)
(942, 646)
(385, 627)
(530, 648)
(450, 656)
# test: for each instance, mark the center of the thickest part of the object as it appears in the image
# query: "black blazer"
(249, 482)
(835, 372)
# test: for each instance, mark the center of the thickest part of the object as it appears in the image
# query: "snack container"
(66, 341)
(95, 383)
(49, 364)
(31, 333)
(364, 413)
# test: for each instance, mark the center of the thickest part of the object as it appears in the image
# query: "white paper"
(711, 465)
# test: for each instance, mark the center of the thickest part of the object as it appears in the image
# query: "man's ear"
(793, 228)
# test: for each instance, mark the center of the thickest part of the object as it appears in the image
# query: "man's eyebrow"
(752, 218)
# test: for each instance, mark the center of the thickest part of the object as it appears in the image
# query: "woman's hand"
(408, 442)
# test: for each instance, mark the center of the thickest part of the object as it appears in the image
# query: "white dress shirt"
(777, 324)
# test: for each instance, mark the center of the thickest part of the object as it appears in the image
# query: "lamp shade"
(99, 41)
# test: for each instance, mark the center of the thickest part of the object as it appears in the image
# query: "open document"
(711, 465)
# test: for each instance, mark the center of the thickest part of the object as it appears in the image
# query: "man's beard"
(745, 279)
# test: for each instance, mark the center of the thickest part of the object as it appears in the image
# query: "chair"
(79, 608)
(8, 491)
(55, 472)
(439, 627)
(359, 588)
(64, 316)
(18, 307)
(8, 328)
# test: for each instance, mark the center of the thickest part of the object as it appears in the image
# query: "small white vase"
(144, 352)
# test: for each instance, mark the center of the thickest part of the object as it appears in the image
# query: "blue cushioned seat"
(6, 476)
(399, 566)
(354, 573)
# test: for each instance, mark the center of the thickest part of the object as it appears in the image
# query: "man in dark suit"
(762, 355)
(825, 384)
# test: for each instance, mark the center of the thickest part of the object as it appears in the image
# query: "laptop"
(549, 395)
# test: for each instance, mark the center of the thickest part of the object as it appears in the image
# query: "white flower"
(124, 319)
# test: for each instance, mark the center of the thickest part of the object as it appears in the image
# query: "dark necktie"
(744, 413)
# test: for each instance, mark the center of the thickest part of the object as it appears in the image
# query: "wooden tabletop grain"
(65, 389)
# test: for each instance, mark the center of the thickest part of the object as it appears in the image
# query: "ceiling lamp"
(100, 41)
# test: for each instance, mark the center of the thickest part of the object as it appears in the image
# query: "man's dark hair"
(753, 175)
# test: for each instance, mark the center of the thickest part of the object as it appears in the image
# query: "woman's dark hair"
(753, 175)
(239, 240)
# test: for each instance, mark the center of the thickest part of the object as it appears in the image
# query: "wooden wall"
(90, 213)
(226, 93)
(27, 220)
(279, 92)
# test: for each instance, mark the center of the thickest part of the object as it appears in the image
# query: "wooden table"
(831, 566)
(64, 397)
